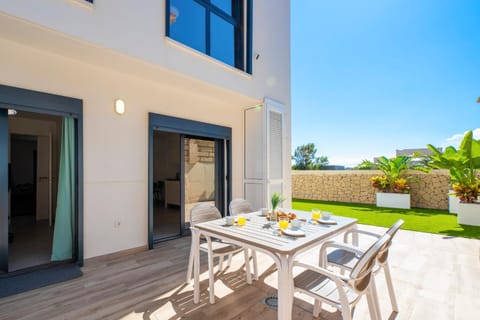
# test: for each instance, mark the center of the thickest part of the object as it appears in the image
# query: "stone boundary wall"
(431, 190)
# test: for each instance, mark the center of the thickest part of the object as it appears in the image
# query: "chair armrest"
(338, 278)
(340, 245)
(337, 245)
(357, 231)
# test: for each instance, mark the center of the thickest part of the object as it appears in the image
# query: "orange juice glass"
(316, 214)
(283, 223)
(241, 221)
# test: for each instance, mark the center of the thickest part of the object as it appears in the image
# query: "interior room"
(34, 151)
(166, 185)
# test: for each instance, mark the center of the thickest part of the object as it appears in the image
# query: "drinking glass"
(283, 222)
(241, 220)
(316, 213)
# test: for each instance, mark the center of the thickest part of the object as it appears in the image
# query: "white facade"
(118, 49)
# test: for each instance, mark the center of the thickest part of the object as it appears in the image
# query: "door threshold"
(158, 241)
(22, 281)
(36, 268)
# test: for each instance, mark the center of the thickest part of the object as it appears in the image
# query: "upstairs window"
(218, 28)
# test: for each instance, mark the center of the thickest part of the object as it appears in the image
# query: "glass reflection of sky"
(222, 44)
(190, 29)
(225, 5)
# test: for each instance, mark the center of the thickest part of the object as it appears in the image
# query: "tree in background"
(305, 158)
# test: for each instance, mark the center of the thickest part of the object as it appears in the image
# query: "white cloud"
(456, 139)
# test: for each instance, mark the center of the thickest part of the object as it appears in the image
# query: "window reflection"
(222, 40)
(214, 27)
(189, 26)
(225, 5)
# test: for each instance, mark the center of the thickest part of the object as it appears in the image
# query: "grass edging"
(416, 219)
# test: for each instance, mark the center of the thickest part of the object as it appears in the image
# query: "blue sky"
(373, 76)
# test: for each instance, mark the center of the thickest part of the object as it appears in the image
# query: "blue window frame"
(221, 29)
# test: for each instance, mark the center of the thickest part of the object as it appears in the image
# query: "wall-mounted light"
(478, 100)
(12, 112)
(119, 106)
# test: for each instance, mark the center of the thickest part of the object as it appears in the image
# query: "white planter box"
(393, 200)
(453, 202)
(469, 214)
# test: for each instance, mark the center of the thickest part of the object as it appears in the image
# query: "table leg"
(355, 240)
(248, 273)
(196, 266)
(285, 288)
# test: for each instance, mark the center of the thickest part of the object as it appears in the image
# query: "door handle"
(42, 178)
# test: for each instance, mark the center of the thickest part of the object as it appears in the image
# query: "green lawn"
(423, 220)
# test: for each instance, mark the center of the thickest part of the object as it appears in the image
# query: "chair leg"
(229, 262)
(346, 313)
(317, 308)
(391, 292)
(247, 266)
(372, 299)
(220, 263)
(371, 307)
(190, 264)
(211, 280)
(255, 265)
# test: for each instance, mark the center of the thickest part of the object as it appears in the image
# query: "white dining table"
(258, 235)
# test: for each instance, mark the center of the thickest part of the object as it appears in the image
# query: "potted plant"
(276, 199)
(450, 160)
(463, 165)
(393, 187)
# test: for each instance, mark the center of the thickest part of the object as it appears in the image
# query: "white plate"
(329, 221)
(293, 232)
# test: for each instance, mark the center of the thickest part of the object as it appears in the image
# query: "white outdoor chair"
(345, 260)
(213, 247)
(341, 291)
(239, 206)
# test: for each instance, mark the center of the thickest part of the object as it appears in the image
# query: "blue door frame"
(198, 129)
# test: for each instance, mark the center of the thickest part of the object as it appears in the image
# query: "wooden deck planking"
(435, 277)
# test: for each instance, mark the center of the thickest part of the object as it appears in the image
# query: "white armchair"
(214, 248)
(342, 291)
(345, 260)
(239, 206)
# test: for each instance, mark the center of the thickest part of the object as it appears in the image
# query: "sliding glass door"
(203, 174)
(198, 175)
(41, 162)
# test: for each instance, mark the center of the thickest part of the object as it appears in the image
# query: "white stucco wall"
(137, 28)
(115, 147)
(118, 50)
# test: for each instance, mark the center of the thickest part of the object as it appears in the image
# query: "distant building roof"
(409, 152)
